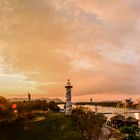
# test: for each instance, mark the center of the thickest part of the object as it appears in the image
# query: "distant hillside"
(57, 100)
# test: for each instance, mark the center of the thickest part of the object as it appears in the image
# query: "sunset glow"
(95, 43)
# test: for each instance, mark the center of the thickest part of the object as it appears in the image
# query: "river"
(107, 110)
(113, 110)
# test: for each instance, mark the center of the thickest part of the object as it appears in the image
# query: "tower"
(91, 100)
(29, 97)
(68, 98)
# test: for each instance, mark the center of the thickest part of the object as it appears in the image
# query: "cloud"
(94, 43)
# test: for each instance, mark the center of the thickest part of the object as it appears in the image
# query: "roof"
(117, 117)
(130, 119)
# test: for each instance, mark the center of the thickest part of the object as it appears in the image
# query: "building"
(130, 121)
(68, 98)
(127, 101)
(118, 121)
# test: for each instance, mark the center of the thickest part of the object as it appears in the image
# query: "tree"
(6, 113)
(100, 119)
(53, 106)
(131, 131)
(88, 122)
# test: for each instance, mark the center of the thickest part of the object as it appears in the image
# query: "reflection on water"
(137, 116)
(113, 111)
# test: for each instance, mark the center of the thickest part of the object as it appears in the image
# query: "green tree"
(53, 106)
(131, 131)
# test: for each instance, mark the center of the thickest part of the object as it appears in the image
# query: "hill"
(57, 100)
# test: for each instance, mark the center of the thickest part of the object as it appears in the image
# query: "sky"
(95, 43)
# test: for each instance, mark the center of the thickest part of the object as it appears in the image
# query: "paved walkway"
(109, 133)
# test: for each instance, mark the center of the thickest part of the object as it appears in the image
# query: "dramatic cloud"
(95, 43)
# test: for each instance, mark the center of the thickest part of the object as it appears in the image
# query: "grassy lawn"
(55, 126)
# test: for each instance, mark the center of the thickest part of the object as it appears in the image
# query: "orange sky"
(95, 43)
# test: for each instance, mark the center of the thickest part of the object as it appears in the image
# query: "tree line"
(11, 111)
(110, 104)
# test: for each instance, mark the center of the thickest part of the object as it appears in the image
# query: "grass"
(55, 126)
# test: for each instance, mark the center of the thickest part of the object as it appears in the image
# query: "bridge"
(135, 111)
